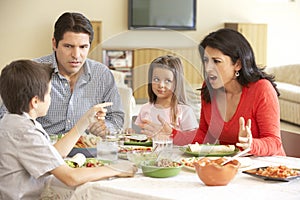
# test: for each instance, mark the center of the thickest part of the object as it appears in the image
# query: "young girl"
(166, 93)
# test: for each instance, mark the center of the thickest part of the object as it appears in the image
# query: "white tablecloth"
(186, 185)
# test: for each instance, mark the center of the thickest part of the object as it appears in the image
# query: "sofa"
(288, 83)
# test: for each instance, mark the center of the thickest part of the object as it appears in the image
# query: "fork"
(236, 156)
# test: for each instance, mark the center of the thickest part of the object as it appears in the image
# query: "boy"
(27, 157)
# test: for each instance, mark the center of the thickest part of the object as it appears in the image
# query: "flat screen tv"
(162, 14)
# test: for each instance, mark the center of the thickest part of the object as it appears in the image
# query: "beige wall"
(27, 25)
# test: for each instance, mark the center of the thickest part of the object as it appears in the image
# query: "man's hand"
(98, 128)
(94, 119)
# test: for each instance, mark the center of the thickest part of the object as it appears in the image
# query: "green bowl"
(149, 169)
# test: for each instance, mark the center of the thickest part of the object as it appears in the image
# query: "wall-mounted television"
(162, 14)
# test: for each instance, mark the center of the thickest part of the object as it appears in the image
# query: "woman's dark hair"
(72, 22)
(22, 80)
(173, 64)
(236, 46)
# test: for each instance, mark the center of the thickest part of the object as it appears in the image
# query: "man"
(78, 82)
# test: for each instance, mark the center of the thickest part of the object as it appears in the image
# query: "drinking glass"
(162, 142)
(107, 149)
(53, 138)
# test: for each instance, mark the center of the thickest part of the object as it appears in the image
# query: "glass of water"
(53, 138)
(107, 149)
(162, 142)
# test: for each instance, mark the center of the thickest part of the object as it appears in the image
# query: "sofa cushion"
(289, 92)
(286, 73)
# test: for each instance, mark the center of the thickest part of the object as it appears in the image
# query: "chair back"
(291, 143)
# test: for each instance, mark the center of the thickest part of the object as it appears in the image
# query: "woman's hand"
(245, 135)
(151, 129)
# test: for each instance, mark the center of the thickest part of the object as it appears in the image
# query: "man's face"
(71, 52)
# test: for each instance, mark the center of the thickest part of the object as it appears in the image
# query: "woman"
(234, 90)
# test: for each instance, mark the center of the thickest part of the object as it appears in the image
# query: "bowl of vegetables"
(161, 169)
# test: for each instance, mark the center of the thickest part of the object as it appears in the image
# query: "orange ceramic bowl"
(212, 173)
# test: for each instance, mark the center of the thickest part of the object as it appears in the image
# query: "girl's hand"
(151, 129)
(245, 135)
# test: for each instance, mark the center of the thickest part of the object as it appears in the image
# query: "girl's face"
(219, 68)
(163, 83)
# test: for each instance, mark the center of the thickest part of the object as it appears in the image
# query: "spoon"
(236, 156)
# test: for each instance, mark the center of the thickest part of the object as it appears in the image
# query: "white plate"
(123, 155)
(245, 161)
(137, 137)
(189, 160)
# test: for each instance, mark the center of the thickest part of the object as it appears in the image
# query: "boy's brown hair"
(20, 81)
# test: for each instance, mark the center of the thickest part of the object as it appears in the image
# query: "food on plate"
(125, 149)
(166, 163)
(136, 138)
(87, 141)
(189, 162)
(79, 160)
(276, 172)
(207, 148)
(93, 162)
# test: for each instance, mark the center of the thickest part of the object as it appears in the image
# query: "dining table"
(185, 185)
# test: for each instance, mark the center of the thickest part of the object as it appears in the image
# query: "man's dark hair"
(72, 22)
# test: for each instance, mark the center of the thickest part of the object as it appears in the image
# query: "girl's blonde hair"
(173, 64)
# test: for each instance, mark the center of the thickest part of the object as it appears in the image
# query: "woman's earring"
(237, 73)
